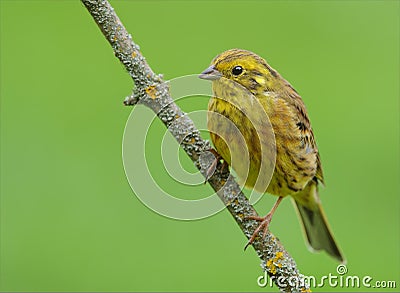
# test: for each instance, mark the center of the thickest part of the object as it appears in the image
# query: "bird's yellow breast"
(258, 137)
(240, 131)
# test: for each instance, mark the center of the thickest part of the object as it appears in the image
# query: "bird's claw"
(265, 221)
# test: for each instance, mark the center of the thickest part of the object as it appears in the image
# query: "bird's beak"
(211, 73)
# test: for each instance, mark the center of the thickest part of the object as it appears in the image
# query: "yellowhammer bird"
(259, 125)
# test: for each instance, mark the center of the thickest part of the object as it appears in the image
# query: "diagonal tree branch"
(152, 91)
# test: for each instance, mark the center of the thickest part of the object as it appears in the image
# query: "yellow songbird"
(259, 125)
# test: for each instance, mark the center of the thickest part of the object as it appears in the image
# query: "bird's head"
(243, 67)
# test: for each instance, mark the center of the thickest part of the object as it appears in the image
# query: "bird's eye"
(237, 70)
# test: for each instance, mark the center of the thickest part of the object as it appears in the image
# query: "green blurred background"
(69, 220)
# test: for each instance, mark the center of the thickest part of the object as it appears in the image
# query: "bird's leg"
(213, 165)
(265, 221)
(225, 167)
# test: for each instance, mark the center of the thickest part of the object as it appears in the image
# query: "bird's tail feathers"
(315, 224)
